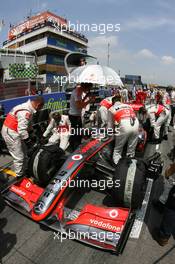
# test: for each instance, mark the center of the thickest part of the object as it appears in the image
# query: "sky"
(144, 43)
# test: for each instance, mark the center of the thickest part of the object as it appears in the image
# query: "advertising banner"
(53, 101)
(34, 20)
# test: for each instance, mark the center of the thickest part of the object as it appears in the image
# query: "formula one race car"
(85, 195)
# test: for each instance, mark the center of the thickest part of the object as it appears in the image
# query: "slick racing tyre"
(45, 162)
(131, 176)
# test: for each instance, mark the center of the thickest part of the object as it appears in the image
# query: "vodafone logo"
(113, 213)
(28, 185)
(106, 225)
(77, 157)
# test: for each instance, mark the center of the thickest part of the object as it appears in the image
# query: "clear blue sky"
(145, 44)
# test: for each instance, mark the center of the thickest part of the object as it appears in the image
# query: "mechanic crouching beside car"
(59, 128)
(158, 116)
(15, 132)
(102, 113)
(123, 120)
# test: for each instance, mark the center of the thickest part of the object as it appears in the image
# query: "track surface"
(24, 242)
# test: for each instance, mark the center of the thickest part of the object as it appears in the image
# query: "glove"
(154, 166)
(154, 170)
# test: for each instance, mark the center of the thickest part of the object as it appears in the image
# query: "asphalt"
(24, 242)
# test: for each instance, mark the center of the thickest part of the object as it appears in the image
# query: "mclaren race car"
(83, 194)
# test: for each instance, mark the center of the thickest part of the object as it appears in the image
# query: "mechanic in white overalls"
(59, 128)
(105, 104)
(158, 115)
(167, 104)
(15, 132)
(123, 119)
(102, 112)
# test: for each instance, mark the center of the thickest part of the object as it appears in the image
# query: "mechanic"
(158, 116)
(122, 118)
(77, 103)
(102, 113)
(93, 119)
(15, 132)
(59, 127)
(167, 103)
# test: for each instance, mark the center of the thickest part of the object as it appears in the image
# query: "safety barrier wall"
(54, 101)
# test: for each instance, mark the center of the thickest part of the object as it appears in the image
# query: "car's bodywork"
(98, 225)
